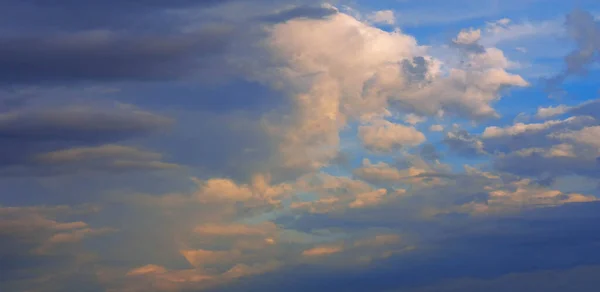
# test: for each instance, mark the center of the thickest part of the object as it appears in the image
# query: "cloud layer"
(296, 145)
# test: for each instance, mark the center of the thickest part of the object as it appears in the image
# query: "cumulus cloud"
(589, 136)
(385, 136)
(551, 148)
(329, 86)
(330, 91)
(338, 194)
(524, 194)
(534, 135)
(264, 196)
(414, 172)
(413, 119)
(382, 172)
(468, 39)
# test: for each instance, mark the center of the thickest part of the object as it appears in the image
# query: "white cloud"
(385, 136)
(548, 112)
(468, 36)
(413, 119)
(436, 128)
(382, 17)
(522, 128)
(340, 69)
(505, 30)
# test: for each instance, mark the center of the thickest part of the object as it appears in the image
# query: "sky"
(299, 145)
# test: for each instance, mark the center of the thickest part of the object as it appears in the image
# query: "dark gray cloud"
(529, 151)
(24, 134)
(72, 15)
(78, 125)
(547, 168)
(311, 12)
(29, 258)
(416, 69)
(585, 31)
(100, 41)
(232, 145)
(456, 247)
(429, 152)
(590, 108)
(473, 48)
(107, 56)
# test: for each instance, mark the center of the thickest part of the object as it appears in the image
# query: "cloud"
(585, 31)
(311, 12)
(382, 17)
(38, 230)
(549, 149)
(328, 86)
(577, 279)
(235, 229)
(260, 194)
(588, 136)
(43, 245)
(413, 119)
(521, 135)
(34, 139)
(469, 40)
(321, 251)
(548, 112)
(463, 143)
(385, 136)
(429, 153)
(108, 158)
(317, 117)
(338, 194)
(39, 16)
(147, 270)
(507, 31)
(78, 124)
(436, 128)
(382, 172)
(519, 128)
(107, 56)
(504, 242)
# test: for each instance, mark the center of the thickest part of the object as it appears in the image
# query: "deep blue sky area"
(300, 145)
